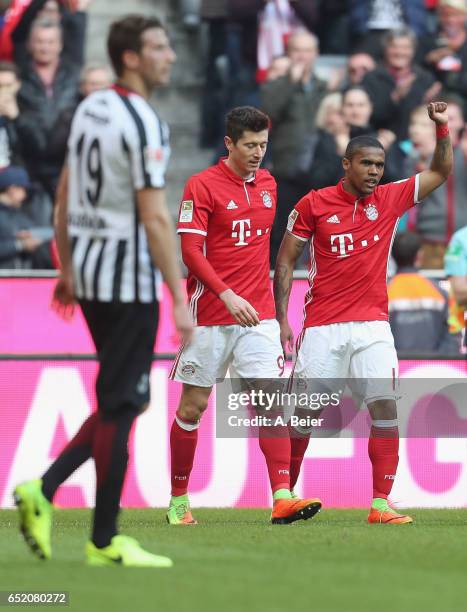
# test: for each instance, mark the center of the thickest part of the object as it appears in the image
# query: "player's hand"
(437, 112)
(28, 242)
(241, 310)
(63, 300)
(183, 321)
(437, 55)
(286, 337)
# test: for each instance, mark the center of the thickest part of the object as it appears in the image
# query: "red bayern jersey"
(236, 216)
(350, 243)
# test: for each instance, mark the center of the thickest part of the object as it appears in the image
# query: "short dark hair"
(9, 67)
(403, 32)
(362, 142)
(125, 35)
(405, 248)
(243, 118)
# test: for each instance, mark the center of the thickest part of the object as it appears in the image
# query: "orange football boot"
(285, 511)
(387, 517)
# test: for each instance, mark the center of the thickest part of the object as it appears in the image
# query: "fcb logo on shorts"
(188, 370)
(371, 212)
(267, 200)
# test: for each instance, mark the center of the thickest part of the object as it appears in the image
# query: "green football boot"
(124, 551)
(179, 512)
(35, 515)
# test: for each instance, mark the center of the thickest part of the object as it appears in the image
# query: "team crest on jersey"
(267, 200)
(292, 218)
(186, 211)
(371, 212)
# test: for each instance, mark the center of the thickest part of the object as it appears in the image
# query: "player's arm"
(160, 233)
(290, 250)
(459, 289)
(64, 296)
(441, 164)
(195, 260)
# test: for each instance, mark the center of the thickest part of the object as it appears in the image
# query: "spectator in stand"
(455, 267)
(9, 115)
(445, 52)
(418, 308)
(25, 12)
(358, 65)
(25, 222)
(93, 77)
(398, 86)
(214, 95)
(50, 86)
(370, 20)
(291, 102)
(340, 117)
(445, 210)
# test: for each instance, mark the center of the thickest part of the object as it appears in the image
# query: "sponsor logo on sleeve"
(292, 218)
(186, 211)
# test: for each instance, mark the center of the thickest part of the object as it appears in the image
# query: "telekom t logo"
(345, 242)
(243, 231)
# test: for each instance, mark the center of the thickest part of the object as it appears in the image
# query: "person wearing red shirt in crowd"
(225, 221)
(346, 333)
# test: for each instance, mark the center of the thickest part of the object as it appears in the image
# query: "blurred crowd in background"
(324, 71)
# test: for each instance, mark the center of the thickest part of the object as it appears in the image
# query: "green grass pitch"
(234, 561)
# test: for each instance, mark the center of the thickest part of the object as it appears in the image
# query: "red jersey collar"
(232, 175)
(123, 91)
(345, 195)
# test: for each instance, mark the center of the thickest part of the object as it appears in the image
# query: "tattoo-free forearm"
(61, 222)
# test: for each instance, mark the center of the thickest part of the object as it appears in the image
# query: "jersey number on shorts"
(89, 173)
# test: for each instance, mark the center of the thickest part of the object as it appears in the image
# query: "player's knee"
(383, 410)
(192, 404)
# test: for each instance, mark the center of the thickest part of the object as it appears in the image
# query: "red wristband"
(442, 131)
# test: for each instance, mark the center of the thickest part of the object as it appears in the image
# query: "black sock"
(110, 452)
(75, 453)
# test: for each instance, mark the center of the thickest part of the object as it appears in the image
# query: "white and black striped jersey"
(117, 145)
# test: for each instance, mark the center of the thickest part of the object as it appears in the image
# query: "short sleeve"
(301, 223)
(455, 259)
(146, 140)
(402, 195)
(195, 208)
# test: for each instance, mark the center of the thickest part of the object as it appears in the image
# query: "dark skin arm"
(290, 250)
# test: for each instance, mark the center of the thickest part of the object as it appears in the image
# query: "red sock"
(298, 445)
(383, 450)
(182, 452)
(275, 444)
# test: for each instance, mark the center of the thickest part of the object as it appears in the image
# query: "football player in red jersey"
(346, 333)
(225, 220)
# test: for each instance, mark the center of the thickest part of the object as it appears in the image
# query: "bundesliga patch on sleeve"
(292, 218)
(186, 211)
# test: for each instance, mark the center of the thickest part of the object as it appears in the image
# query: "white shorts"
(358, 353)
(250, 352)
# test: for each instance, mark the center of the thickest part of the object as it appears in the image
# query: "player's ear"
(130, 59)
(345, 163)
(228, 143)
